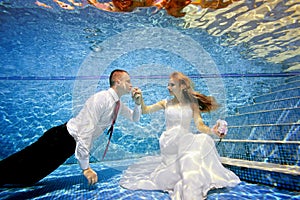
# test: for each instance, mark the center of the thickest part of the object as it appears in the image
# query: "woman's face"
(173, 87)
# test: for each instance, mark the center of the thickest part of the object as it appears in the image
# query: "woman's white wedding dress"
(188, 167)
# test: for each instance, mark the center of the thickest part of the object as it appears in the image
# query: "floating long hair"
(205, 103)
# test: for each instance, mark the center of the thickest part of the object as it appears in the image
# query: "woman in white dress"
(189, 164)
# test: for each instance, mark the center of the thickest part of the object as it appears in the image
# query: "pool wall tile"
(267, 131)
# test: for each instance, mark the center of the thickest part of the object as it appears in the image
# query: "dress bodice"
(178, 116)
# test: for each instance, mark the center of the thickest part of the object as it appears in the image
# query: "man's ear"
(118, 82)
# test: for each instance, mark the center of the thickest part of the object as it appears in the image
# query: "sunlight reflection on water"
(270, 29)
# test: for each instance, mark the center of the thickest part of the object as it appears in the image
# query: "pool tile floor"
(67, 182)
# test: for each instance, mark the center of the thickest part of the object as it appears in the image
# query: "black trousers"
(36, 161)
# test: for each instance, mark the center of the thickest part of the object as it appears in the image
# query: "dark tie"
(111, 129)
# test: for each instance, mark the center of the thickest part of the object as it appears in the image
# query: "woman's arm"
(200, 124)
(153, 108)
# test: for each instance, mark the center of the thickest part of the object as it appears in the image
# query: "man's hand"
(136, 94)
(90, 175)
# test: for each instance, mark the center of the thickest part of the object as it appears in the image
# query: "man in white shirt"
(36, 161)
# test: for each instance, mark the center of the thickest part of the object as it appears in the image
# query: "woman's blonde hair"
(205, 103)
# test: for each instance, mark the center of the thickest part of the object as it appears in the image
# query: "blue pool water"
(51, 60)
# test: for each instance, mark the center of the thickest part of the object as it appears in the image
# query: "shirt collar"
(114, 94)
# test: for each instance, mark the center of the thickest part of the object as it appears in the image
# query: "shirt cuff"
(84, 164)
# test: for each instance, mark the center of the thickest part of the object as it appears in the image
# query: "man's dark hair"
(114, 74)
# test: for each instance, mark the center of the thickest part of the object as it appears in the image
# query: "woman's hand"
(220, 129)
(214, 130)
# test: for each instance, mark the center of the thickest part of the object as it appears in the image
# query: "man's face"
(124, 85)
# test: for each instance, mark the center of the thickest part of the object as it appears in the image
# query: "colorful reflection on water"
(268, 29)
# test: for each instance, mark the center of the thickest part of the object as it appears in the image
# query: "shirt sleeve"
(132, 115)
(86, 128)
(84, 141)
(82, 156)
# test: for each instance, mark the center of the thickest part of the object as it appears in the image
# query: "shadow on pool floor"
(67, 182)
